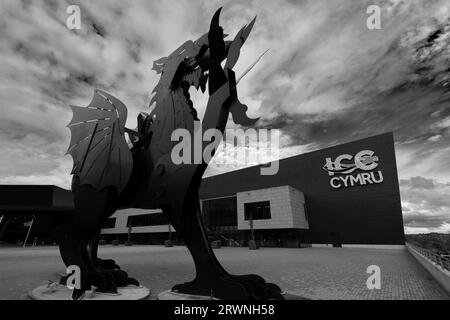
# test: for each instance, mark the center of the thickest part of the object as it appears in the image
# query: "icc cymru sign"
(350, 171)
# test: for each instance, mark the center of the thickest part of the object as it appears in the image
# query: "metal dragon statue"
(109, 175)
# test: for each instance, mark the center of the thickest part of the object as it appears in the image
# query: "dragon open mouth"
(197, 78)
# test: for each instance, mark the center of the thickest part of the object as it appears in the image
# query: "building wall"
(368, 214)
(122, 218)
(297, 203)
(286, 208)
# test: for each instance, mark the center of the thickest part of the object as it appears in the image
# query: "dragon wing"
(98, 147)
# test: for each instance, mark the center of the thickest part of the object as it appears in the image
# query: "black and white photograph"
(224, 158)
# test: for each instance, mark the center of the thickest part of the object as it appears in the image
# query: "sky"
(327, 79)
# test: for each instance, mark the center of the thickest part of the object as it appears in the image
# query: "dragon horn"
(216, 19)
(248, 29)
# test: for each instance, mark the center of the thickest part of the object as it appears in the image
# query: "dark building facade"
(347, 194)
(45, 206)
(351, 191)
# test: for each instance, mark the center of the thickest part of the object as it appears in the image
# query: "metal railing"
(442, 260)
(231, 242)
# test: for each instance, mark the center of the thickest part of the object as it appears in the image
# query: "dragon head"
(190, 63)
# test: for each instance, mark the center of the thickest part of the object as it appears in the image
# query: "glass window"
(219, 213)
(145, 220)
(110, 223)
(257, 211)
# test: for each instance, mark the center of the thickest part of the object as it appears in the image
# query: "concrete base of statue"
(55, 291)
(170, 295)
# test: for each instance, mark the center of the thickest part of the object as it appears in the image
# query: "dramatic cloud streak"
(327, 79)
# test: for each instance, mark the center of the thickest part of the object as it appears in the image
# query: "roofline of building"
(34, 185)
(391, 133)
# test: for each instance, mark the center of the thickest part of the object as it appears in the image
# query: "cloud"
(445, 228)
(425, 204)
(435, 138)
(418, 183)
(257, 149)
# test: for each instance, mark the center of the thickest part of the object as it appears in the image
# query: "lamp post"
(130, 231)
(252, 245)
(6, 221)
(168, 243)
(29, 224)
(250, 222)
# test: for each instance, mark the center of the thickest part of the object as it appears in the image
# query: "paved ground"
(315, 273)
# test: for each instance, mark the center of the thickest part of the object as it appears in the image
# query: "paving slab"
(312, 273)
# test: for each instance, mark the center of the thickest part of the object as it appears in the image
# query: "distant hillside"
(439, 242)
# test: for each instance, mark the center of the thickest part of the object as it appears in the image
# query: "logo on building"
(350, 171)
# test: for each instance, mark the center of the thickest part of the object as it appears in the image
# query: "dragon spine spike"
(249, 28)
(235, 47)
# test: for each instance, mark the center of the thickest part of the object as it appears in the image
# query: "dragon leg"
(210, 279)
(106, 267)
(103, 264)
(72, 246)
(75, 235)
(260, 288)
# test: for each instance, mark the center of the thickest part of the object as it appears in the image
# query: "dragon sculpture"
(108, 174)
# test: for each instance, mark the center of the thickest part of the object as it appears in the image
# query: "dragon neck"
(179, 100)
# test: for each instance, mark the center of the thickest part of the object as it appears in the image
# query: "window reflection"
(257, 210)
(220, 213)
(110, 223)
(144, 220)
